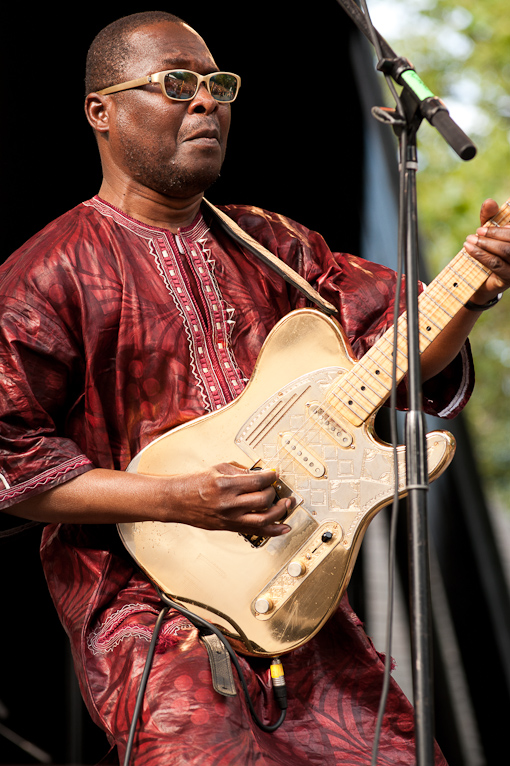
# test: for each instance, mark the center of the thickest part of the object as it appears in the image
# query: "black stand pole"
(415, 103)
(417, 483)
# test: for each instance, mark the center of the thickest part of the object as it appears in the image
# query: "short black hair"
(110, 49)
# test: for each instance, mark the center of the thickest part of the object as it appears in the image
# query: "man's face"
(171, 147)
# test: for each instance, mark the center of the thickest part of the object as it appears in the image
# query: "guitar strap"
(265, 255)
(221, 666)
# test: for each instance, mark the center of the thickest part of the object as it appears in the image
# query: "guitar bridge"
(302, 455)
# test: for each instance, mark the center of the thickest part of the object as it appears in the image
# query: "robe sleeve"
(38, 360)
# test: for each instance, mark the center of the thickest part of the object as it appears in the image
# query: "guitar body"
(271, 595)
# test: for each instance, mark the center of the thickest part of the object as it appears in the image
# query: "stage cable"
(277, 675)
(392, 550)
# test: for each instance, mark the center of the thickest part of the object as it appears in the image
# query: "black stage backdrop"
(295, 144)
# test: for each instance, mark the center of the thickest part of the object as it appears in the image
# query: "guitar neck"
(366, 386)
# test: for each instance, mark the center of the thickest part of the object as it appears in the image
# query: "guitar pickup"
(302, 455)
(321, 416)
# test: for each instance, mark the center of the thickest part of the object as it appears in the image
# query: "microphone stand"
(415, 103)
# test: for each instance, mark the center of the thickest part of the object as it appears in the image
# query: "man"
(134, 313)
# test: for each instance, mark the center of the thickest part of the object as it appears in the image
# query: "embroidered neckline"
(195, 231)
(213, 364)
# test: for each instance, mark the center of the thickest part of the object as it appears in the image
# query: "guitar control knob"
(296, 568)
(263, 605)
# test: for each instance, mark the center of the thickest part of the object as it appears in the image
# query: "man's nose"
(203, 102)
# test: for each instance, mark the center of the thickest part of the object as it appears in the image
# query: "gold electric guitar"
(308, 412)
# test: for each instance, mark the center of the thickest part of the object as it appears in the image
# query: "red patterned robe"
(112, 333)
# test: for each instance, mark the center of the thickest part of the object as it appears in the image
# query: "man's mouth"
(205, 136)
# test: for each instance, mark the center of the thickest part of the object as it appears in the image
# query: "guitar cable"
(277, 675)
(393, 526)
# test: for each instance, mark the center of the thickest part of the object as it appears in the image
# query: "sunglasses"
(183, 85)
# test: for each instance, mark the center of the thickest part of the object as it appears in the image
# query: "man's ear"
(97, 112)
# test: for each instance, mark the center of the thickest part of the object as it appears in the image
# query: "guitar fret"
(452, 295)
(466, 286)
(389, 357)
(352, 393)
(431, 321)
(431, 331)
(425, 335)
(469, 267)
(463, 277)
(364, 383)
(375, 378)
(377, 363)
(376, 371)
(386, 349)
(505, 217)
(404, 352)
(348, 407)
(441, 309)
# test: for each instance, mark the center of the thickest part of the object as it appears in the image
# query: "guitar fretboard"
(364, 388)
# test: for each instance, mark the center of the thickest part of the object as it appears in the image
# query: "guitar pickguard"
(337, 470)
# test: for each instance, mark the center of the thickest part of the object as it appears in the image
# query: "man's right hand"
(225, 497)
(230, 498)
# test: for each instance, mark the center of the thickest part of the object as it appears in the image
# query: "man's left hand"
(491, 246)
